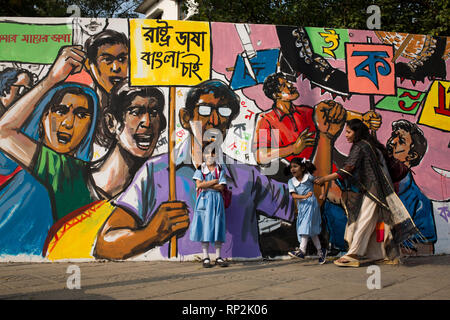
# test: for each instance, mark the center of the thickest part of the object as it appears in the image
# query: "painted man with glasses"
(209, 109)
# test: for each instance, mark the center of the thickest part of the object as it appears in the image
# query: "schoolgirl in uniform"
(208, 223)
(301, 188)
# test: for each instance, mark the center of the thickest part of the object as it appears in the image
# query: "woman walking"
(378, 222)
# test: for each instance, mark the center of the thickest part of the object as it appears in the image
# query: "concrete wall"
(398, 84)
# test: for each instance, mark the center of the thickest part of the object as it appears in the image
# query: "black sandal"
(207, 263)
(220, 262)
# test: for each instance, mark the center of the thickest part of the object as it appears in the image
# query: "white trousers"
(361, 235)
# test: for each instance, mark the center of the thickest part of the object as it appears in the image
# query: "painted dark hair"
(59, 95)
(419, 142)
(272, 84)
(362, 133)
(120, 98)
(9, 76)
(220, 90)
(107, 36)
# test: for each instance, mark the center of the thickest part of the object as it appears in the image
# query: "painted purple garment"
(252, 191)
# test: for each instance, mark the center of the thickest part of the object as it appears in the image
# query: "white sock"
(205, 248)
(316, 242)
(304, 243)
(218, 246)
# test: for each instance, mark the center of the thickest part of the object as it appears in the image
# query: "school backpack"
(226, 193)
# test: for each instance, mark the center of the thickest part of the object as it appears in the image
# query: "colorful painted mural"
(102, 124)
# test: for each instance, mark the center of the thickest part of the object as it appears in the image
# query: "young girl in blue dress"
(208, 223)
(301, 188)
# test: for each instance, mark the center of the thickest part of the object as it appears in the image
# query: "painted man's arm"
(121, 237)
(271, 197)
(329, 117)
(264, 153)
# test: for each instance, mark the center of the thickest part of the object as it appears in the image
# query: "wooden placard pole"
(173, 250)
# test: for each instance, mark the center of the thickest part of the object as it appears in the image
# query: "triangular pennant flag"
(413, 82)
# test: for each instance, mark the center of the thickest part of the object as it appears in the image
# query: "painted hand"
(329, 117)
(372, 119)
(171, 218)
(69, 61)
(305, 139)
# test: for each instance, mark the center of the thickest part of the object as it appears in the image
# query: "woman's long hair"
(362, 133)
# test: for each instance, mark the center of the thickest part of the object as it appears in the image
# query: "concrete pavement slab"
(417, 278)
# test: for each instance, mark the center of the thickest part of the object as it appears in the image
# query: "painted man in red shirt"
(303, 131)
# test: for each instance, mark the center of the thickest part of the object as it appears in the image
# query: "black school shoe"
(297, 254)
(220, 262)
(207, 263)
(322, 255)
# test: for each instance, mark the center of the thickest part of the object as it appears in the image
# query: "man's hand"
(69, 61)
(304, 140)
(171, 218)
(329, 117)
(372, 119)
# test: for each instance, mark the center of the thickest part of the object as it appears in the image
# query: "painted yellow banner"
(436, 110)
(169, 53)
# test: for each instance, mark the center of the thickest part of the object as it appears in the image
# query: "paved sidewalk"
(417, 278)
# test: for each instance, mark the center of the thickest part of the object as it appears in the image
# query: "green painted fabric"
(66, 180)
